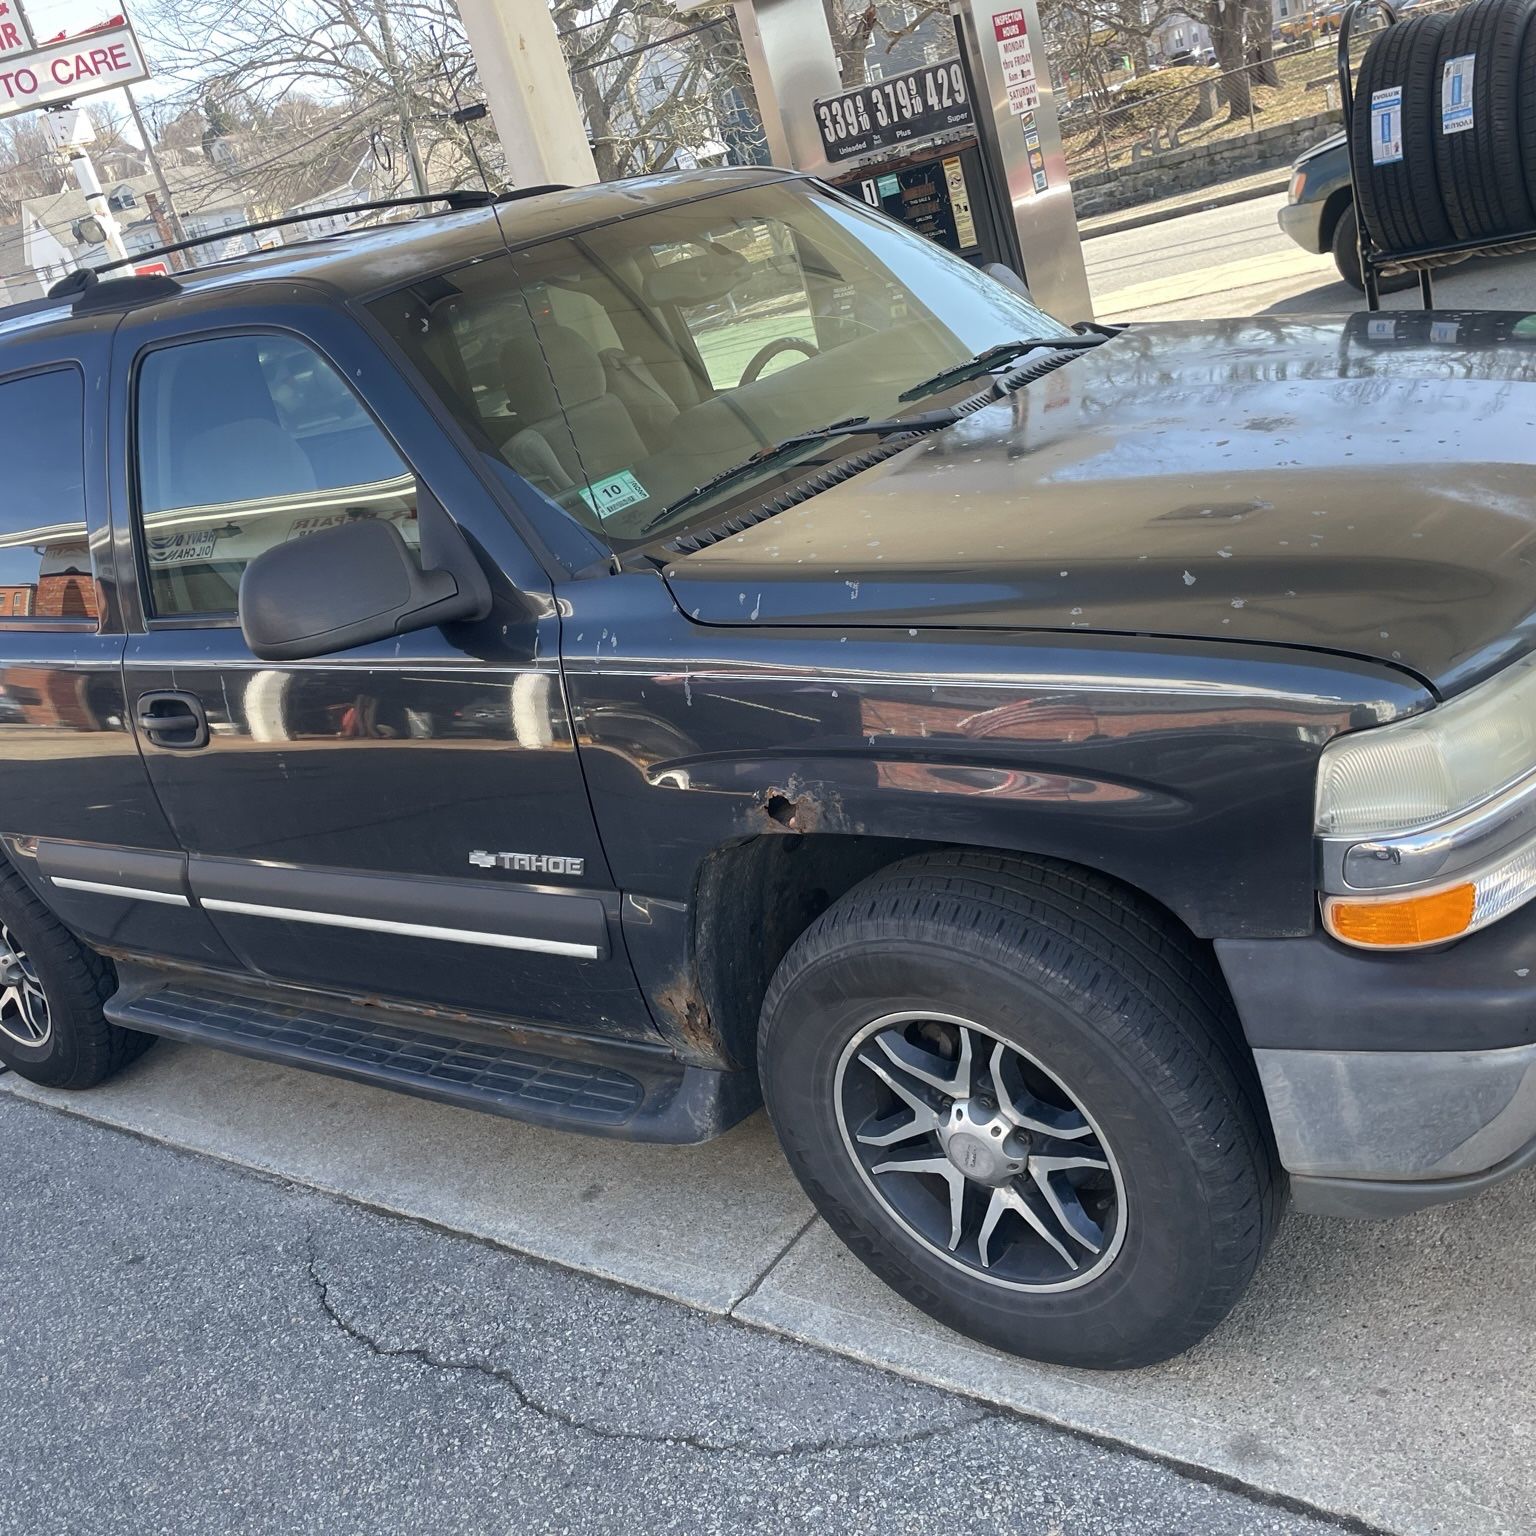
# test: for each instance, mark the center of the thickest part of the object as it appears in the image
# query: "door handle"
(175, 720)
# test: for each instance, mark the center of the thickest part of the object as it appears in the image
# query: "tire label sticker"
(1387, 126)
(1456, 94)
(606, 497)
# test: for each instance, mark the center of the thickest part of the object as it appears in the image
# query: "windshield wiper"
(860, 426)
(995, 357)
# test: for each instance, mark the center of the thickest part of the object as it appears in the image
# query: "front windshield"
(618, 369)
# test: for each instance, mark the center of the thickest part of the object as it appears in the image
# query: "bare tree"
(303, 92)
(654, 86)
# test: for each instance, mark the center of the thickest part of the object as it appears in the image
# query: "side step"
(603, 1089)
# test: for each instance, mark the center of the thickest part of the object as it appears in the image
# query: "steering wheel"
(766, 354)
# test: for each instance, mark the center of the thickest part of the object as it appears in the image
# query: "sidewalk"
(1381, 1373)
(1217, 196)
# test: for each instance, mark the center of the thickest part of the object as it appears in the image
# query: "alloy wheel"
(980, 1151)
(23, 1003)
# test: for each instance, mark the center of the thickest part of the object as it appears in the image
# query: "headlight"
(1428, 826)
(1298, 186)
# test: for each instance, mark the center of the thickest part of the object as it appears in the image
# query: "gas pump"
(965, 150)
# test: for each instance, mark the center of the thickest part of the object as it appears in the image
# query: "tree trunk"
(1265, 71)
(1225, 21)
(850, 38)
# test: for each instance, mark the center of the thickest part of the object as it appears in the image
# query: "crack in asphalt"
(419, 1355)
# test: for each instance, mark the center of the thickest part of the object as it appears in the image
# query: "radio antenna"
(463, 115)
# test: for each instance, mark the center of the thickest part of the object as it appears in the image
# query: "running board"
(610, 1089)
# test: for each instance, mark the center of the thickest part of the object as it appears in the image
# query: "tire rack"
(1373, 261)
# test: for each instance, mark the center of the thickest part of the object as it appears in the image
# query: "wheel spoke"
(1006, 1198)
(925, 1065)
(922, 1121)
(1028, 1112)
(994, 1213)
(912, 1100)
(940, 1167)
(1075, 1221)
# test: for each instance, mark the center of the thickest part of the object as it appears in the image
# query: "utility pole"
(528, 89)
(178, 232)
(402, 99)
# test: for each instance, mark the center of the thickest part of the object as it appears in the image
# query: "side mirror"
(346, 586)
(1009, 279)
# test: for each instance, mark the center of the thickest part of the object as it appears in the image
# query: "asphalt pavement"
(186, 1347)
(1378, 1372)
(1234, 261)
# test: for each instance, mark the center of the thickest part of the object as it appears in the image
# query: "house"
(54, 241)
(18, 282)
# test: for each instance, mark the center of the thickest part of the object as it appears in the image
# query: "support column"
(790, 56)
(528, 90)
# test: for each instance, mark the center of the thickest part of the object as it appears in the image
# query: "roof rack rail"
(459, 201)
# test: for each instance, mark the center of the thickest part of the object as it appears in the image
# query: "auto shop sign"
(15, 34)
(66, 70)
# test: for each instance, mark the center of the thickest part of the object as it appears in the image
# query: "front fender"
(1185, 768)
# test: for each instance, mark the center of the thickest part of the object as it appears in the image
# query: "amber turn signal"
(1427, 919)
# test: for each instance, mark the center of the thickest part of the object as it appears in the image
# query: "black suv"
(619, 655)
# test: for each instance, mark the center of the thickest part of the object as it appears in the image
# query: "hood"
(1334, 141)
(1365, 486)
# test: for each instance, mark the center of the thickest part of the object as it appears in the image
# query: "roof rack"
(460, 201)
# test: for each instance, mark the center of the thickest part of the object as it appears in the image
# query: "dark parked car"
(1319, 213)
(1084, 781)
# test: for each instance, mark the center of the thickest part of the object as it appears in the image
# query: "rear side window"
(245, 442)
(45, 562)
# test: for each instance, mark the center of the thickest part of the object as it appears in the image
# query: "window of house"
(45, 561)
(245, 442)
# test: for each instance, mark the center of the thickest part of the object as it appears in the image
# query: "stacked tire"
(1443, 135)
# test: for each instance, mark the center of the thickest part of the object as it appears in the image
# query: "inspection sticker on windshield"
(1456, 94)
(1387, 126)
(614, 493)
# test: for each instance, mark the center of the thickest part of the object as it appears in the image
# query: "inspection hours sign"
(1013, 48)
(64, 71)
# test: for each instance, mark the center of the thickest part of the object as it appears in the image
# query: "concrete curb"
(1161, 213)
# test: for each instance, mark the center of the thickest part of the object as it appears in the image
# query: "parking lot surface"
(1378, 1372)
(191, 1348)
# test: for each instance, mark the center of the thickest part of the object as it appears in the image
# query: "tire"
(1401, 200)
(1103, 1013)
(1346, 251)
(1346, 257)
(68, 1043)
(1384, 65)
(1481, 174)
(1525, 111)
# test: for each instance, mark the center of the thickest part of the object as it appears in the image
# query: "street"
(1376, 1373)
(191, 1348)
(1235, 261)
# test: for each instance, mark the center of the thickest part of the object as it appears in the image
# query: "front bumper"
(1303, 222)
(1394, 1081)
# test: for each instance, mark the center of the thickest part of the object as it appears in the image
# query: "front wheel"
(1019, 1096)
(1346, 257)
